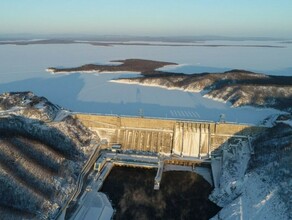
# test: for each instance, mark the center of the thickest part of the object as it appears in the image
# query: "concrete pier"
(158, 176)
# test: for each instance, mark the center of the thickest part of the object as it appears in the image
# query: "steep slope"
(258, 185)
(28, 105)
(40, 159)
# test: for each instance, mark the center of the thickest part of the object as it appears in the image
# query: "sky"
(254, 18)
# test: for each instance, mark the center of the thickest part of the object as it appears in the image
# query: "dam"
(163, 144)
(184, 139)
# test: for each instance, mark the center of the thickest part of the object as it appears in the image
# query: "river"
(182, 195)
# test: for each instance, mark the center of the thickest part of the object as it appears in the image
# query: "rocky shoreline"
(239, 87)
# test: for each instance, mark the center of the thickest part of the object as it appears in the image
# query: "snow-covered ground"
(257, 186)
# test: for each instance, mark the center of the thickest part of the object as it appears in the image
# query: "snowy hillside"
(258, 185)
(28, 105)
(40, 158)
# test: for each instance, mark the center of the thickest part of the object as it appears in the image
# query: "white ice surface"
(23, 68)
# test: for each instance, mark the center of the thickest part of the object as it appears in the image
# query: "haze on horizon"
(258, 18)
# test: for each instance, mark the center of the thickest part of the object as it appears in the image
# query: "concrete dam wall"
(182, 138)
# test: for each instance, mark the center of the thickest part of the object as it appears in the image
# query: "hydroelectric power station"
(164, 144)
(177, 142)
